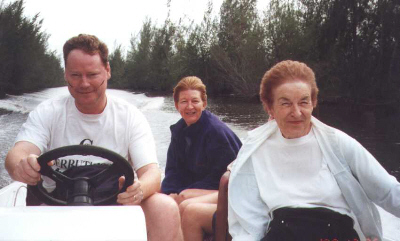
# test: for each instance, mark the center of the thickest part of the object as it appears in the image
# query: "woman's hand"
(175, 196)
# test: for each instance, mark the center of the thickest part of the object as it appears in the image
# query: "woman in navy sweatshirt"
(201, 148)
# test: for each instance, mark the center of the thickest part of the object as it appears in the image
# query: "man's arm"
(150, 179)
(148, 183)
(21, 163)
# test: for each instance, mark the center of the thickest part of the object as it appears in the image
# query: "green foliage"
(355, 45)
(192, 50)
(159, 76)
(240, 54)
(26, 63)
(138, 59)
(352, 45)
(117, 65)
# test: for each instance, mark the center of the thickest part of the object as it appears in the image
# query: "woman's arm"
(247, 213)
(172, 182)
(221, 148)
(381, 187)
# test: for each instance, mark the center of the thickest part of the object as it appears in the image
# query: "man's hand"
(27, 170)
(21, 163)
(133, 194)
(148, 183)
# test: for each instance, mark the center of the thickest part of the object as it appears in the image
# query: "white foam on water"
(27, 102)
(141, 101)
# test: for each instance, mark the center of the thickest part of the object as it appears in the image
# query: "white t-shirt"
(297, 176)
(121, 127)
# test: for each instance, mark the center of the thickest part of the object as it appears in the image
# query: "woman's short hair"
(283, 72)
(190, 83)
(89, 44)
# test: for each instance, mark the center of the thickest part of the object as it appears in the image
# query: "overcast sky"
(113, 22)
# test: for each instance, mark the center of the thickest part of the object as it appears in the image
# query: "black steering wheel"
(81, 189)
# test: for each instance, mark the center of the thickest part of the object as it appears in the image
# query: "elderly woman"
(296, 178)
(201, 148)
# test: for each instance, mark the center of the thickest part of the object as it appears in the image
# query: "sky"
(113, 22)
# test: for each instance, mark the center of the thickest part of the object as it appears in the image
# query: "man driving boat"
(89, 116)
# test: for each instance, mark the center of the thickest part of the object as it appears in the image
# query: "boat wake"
(14, 111)
(27, 102)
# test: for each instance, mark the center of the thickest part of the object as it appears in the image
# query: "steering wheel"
(81, 189)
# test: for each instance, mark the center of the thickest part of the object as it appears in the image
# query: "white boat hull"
(19, 222)
(13, 195)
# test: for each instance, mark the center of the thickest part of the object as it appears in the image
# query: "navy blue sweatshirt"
(199, 154)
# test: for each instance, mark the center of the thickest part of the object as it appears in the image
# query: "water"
(378, 129)
(159, 111)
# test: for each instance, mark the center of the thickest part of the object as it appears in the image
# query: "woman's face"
(190, 106)
(292, 108)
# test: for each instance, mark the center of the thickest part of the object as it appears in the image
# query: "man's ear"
(205, 104)
(108, 69)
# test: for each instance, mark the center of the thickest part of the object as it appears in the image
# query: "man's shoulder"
(119, 103)
(124, 109)
(56, 103)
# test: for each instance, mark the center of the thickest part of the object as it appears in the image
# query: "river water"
(159, 111)
(378, 129)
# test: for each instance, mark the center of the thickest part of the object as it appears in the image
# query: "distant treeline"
(353, 46)
(25, 63)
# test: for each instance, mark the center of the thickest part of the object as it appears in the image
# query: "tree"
(192, 49)
(26, 63)
(160, 57)
(352, 45)
(240, 53)
(117, 65)
(138, 59)
(357, 39)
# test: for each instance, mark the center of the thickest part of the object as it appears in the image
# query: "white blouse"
(297, 176)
